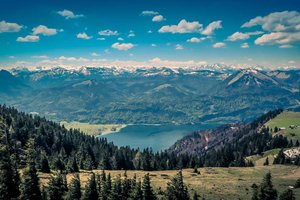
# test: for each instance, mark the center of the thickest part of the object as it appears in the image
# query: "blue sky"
(150, 32)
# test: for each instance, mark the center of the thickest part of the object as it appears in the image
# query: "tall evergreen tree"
(30, 181)
(176, 189)
(45, 165)
(116, 191)
(287, 195)
(266, 189)
(9, 177)
(74, 192)
(136, 192)
(56, 188)
(148, 193)
(90, 192)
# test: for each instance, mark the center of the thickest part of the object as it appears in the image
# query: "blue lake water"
(158, 137)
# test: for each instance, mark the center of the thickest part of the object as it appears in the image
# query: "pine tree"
(30, 182)
(90, 192)
(266, 189)
(8, 187)
(176, 189)
(267, 161)
(45, 165)
(56, 188)
(254, 192)
(9, 177)
(74, 192)
(297, 184)
(287, 195)
(116, 191)
(148, 193)
(136, 192)
(195, 196)
(72, 165)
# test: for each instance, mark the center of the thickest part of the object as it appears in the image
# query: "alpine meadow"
(149, 100)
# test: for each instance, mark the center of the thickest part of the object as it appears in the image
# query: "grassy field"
(94, 129)
(214, 183)
(286, 119)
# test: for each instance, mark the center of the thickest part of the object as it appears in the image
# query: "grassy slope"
(215, 183)
(94, 129)
(286, 119)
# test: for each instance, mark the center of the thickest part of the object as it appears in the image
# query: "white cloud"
(281, 38)
(149, 31)
(29, 38)
(40, 57)
(242, 36)
(291, 62)
(108, 32)
(238, 36)
(94, 54)
(286, 46)
(83, 36)
(153, 45)
(178, 47)
(122, 46)
(182, 27)
(196, 40)
(175, 63)
(69, 14)
(149, 13)
(245, 45)
(9, 27)
(73, 59)
(158, 18)
(276, 22)
(219, 45)
(101, 39)
(131, 35)
(283, 28)
(120, 39)
(209, 30)
(44, 30)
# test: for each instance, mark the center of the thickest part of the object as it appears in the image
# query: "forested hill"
(229, 145)
(54, 147)
(57, 148)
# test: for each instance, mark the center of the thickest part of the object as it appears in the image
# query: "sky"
(182, 33)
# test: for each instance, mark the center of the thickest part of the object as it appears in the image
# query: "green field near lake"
(285, 120)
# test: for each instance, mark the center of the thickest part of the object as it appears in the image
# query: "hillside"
(212, 183)
(287, 123)
(154, 95)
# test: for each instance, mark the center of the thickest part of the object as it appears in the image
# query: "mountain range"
(211, 94)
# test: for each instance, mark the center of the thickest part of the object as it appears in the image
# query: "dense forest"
(54, 147)
(30, 144)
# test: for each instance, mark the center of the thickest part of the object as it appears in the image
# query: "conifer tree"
(266, 189)
(30, 182)
(90, 192)
(148, 193)
(45, 165)
(136, 192)
(266, 161)
(74, 192)
(56, 188)
(176, 189)
(9, 177)
(116, 191)
(287, 195)
(254, 192)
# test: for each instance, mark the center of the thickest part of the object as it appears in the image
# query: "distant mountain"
(9, 84)
(210, 94)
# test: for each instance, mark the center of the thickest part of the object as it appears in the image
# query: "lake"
(158, 137)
